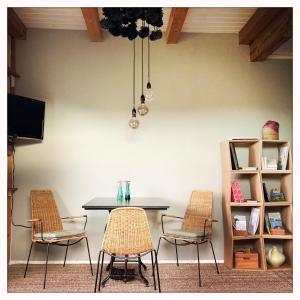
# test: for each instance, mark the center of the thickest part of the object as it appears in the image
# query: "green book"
(267, 224)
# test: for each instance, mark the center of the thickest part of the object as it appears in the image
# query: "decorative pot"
(270, 130)
(275, 257)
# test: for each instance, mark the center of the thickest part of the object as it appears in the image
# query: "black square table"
(110, 203)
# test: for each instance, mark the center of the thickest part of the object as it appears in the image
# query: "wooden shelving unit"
(261, 241)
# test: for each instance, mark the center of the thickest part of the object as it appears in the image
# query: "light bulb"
(149, 92)
(143, 108)
(134, 122)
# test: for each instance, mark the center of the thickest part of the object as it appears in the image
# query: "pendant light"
(133, 122)
(143, 108)
(149, 90)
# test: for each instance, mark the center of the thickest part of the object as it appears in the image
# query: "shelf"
(277, 236)
(244, 171)
(244, 143)
(274, 142)
(247, 237)
(249, 152)
(284, 267)
(276, 172)
(244, 204)
(279, 203)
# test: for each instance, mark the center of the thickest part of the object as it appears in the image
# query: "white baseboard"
(77, 262)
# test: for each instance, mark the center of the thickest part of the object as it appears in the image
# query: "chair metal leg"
(46, 267)
(140, 271)
(28, 259)
(97, 272)
(66, 252)
(199, 272)
(88, 248)
(176, 253)
(125, 270)
(158, 245)
(153, 270)
(157, 271)
(101, 270)
(212, 249)
(143, 265)
(111, 264)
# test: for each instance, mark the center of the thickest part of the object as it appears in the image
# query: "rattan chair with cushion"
(127, 238)
(196, 226)
(47, 227)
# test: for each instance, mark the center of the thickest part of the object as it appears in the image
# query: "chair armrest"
(208, 221)
(168, 216)
(34, 220)
(171, 216)
(211, 220)
(38, 220)
(76, 217)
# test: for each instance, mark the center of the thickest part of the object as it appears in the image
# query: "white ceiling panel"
(198, 20)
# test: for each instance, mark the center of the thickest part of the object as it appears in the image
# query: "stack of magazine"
(272, 221)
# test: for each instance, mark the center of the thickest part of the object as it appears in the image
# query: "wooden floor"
(77, 278)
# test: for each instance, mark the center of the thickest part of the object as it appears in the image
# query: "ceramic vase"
(275, 257)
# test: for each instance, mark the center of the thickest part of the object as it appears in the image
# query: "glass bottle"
(120, 192)
(127, 193)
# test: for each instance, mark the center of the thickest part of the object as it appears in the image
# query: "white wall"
(206, 91)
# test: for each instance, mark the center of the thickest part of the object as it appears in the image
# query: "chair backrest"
(127, 232)
(43, 207)
(199, 209)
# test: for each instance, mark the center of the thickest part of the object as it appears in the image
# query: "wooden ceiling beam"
(273, 36)
(257, 23)
(176, 21)
(15, 26)
(91, 18)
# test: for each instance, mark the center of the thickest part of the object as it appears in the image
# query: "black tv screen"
(25, 117)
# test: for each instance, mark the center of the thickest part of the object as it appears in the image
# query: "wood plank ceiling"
(198, 20)
(193, 20)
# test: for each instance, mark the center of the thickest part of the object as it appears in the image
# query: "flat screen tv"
(25, 117)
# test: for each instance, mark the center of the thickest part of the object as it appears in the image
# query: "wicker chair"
(47, 227)
(127, 237)
(196, 226)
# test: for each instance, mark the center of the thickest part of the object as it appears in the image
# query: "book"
(235, 164)
(264, 162)
(239, 222)
(275, 219)
(283, 157)
(272, 164)
(250, 200)
(276, 195)
(267, 224)
(265, 192)
(253, 221)
(236, 193)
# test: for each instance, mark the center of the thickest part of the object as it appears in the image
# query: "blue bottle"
(127, 193)
(120, 192)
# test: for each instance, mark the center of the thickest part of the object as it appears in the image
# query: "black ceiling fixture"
(123, 21)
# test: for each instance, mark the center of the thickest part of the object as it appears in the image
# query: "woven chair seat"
(185, 234)
(53, 235)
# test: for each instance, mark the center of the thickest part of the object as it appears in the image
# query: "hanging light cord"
(148, 57)
(133, 92)
(142, 66)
